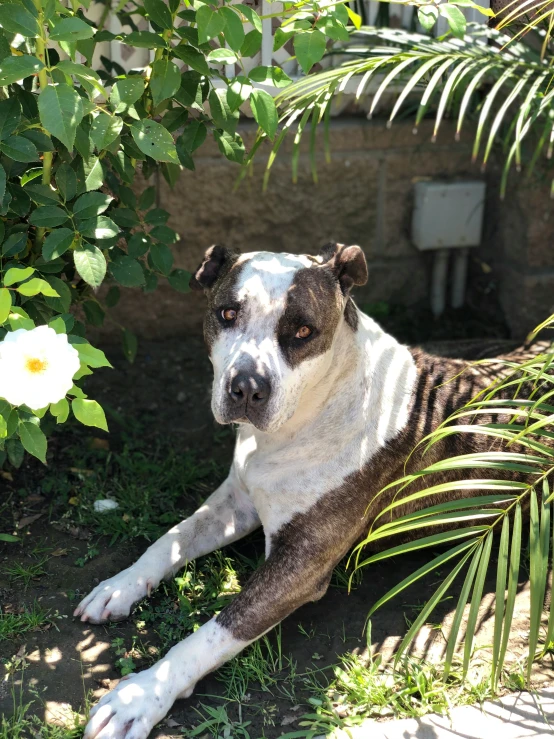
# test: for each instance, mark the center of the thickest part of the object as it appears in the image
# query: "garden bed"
(159, 463)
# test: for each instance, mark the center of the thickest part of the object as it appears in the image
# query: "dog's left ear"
(347, 262)
(217, 259)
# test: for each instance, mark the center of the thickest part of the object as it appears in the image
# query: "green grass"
(32, 618)
(25, 573)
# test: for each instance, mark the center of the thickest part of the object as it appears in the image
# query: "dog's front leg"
(298, 570)
(227, 515)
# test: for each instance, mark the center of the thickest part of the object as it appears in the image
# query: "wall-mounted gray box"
(448, 214)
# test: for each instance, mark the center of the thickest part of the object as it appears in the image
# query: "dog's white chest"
(286, 473)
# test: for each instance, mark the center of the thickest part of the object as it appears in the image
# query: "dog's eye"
(229, 314)
(303, 332)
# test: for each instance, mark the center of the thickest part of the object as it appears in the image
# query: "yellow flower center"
(35, 365)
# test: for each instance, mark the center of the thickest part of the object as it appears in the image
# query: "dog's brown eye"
(229, 314)
(303, 332)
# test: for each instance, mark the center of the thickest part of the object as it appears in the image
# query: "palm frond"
(525, 448)
(447, 74)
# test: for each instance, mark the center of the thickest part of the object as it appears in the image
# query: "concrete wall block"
(527, 299)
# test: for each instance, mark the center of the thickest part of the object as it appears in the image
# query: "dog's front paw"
(113, 599)
(132, 709)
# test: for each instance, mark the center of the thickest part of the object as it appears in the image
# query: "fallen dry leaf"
(289, 720)
(171, 723)
(6, 475)
(28, 520)
(100, 444)
(59, 553)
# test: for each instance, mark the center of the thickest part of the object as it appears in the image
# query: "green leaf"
(41, 194)
(252, 16)
(427, 16)
(165, 80)
(91, 204)
(105, 129)
(125, 217)
(33, 440)
(476, 600)
(221, 112)
(126, 92)
(144, 40)
(60, 410)
(90, 263)
(37, 286)
(234, 30)
(211, 23)
(15, 68)
(10, 116)
(354, 17)
(88, 354)
(17, 274)
(19, 149)
(9, 538)
(193, 136)
(159, 13)
(270, 76)
(2, 183)
(61, 110)
(89, 413)
(456, 19)
(130, 345)
(127, 272)
(99, 227)
(265, 112)
(252, 43)
(48, 216)
(90, 174)
(179, 280)
(147, 198)
(72, 29)
(238, 91)
(66, 180)
(15, 243)
(153, 140)
(222, 56)
(161, 258)
(57, 243)
(232, 147)
(309, 48)
(5, 305)
(138, 245)
(16, 19)
(195, 59)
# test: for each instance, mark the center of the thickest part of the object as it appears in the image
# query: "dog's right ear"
(217, 259)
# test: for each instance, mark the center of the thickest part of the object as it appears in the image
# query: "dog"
(328, 407)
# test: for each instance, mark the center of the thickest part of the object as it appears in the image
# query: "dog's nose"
(250, 389)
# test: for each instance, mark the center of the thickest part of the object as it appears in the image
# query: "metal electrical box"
(448, 214)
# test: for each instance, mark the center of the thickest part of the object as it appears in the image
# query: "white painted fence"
(400, 16)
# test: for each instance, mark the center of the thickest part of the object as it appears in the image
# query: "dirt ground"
(168, 390)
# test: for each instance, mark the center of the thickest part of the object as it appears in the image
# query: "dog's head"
(271, 324)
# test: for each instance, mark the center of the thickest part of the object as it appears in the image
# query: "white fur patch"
(340, 423)
(227, 515)
(140, 701)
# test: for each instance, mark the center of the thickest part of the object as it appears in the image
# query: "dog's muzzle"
(248, 395)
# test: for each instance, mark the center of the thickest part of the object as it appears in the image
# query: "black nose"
(250, 389)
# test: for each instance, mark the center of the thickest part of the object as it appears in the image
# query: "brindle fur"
(306, 550)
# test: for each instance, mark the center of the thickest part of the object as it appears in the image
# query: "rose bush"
(74, 130)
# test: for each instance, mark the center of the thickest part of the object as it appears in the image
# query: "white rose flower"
(36, 367)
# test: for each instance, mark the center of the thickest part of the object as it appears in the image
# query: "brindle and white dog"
(328, 406)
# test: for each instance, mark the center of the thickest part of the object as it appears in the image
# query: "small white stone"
(101, 506)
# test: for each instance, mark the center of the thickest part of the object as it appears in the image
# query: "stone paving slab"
(515, 716)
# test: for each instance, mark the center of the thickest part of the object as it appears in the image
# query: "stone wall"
(364, 196)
